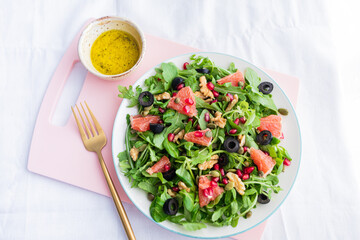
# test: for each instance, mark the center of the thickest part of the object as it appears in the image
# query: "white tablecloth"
(317, 41)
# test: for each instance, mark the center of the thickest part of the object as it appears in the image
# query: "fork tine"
(87, 117)
(97, 125)
(81, 129)
(83, 121)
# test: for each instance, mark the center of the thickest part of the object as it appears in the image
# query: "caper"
(177, 100)
(231, 170)
(283, 111)
(248, 214)
(241, 150)
(208, 134)
(150, 196)
(246, 163)
(229, 186)
(214, 173)
(211, 125)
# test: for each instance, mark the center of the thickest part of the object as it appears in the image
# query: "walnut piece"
(209, 164)
(204, 89)
(179, 135)
(183, 186)
(238, 184)
(241, 139)
(218, 120)
(232, 103)
(163, 96)
(171, 193)
(134, 153)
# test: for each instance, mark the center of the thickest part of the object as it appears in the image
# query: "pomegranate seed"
(206, 192)
(216, 94)
(266, 153)
(185, 65)
(213, 184)
(191, 120)
(245, 149)
(230, 96)
(222, 172)
(213, 101)
(245, 176)
(287, 162)
(186, 109)
(210, 86)
(171, 137)
(248, 170)
(161, 121)
(198, 127)
(199, 134)
(243, 120)
(215, 179)
(216, 166)
(225, 181)
(166, 167)
(239, 173)
(174, 94)
(237, 121)
(282, 136)
(175, 189)
(189, 101)
(233, 131)
(161, 110)
(180, 86)
(211, 191)
(159, 79)
(207, 117)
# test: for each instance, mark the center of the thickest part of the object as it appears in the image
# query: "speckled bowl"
(94, 29)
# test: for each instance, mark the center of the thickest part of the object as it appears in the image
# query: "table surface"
(305, 38)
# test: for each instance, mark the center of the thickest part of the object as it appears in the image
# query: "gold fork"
(94, 141)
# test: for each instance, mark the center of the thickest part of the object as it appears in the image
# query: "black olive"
(203, 70)
(223, 160)
(266, 87)
(231, 144)
(176, 82)
(171, 206)
(263, 199)
(146, 99)
(156, 127)
(264, 137)
(169, 175)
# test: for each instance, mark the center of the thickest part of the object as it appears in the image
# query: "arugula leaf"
(193, 226)
(202, 104)
(264, 100)
(124, 161)
(184, 175)
(218, 213)
(188, 199)
(171, 148)
(170, 71)
(158, 140)
(148, 187)
(202, 122)
(252, 77)
(129, 94)
(156, 207)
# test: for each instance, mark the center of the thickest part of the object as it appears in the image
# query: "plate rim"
(115, 160)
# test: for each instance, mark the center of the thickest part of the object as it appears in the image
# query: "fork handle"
(116, 198)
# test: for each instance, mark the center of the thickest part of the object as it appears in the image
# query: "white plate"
(292, 143)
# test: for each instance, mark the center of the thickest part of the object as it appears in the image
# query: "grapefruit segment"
(199, 137)
(204, 183)
(185, 96)
(142, 124)
(159, 166)
(271, 123)
(263, 162)
(234, 78)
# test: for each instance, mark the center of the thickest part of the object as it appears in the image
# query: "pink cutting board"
(58, 152)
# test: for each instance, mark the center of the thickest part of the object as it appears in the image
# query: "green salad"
(204, 145)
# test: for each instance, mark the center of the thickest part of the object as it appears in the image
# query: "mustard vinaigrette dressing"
(114, 52)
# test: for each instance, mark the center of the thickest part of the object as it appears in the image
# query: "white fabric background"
(315, 40)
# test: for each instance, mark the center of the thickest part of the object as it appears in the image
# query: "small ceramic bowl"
(94, 29)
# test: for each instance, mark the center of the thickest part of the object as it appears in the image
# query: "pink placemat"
(58, 152)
